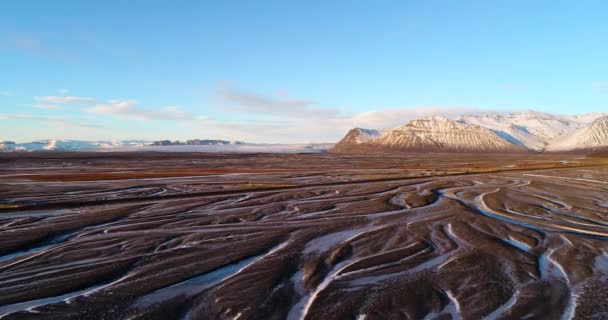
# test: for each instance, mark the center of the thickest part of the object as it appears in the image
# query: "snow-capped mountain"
(531, 129)
(364, 135)
(492, 132)
(433, 134)
(354, 137)
(592, 136)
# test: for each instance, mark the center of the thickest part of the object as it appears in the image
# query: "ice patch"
(520, 245)
(324, 243)
(200, 283)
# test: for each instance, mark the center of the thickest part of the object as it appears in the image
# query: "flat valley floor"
(212, 236)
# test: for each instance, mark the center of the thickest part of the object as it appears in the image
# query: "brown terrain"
(325, 236)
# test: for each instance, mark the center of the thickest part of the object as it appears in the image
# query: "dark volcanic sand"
(191, 236)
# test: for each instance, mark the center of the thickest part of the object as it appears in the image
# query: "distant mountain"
(434, 134)
(196, 145)
(66, 145)
(355, 136)
(74, 145)
(528, 131)
(531, 129)
(232, 148)
(515, 132)
(195, 142)
(589, 137)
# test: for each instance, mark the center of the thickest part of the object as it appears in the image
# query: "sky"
(289, 71)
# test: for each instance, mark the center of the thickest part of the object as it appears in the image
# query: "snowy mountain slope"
(490, 132)
(593, 136)
(365, 135)
(356, 136)
(531, 129)
(521, 136)
(433, 134)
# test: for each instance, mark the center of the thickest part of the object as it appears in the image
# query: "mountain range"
(196, 145)
(521, 132)
(74, 145)
(491, 133)
(195, 142)
(67, 145)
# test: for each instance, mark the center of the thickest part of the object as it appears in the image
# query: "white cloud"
(114, 107)
(129, 109)
(5, 93)
(63, 99)
(255, 103)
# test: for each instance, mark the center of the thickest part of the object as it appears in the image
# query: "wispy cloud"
(36, 45)
(46, 106)
(56, 120)
(388, 118)
(290, 120)
(129, 109)
(72, 124)
(29, 117)
(331, 129)
(63, 99)
(5, 93)
(26, 43)
(298, 120)
(251, 102)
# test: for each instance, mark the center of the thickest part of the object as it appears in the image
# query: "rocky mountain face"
(517, 132)
(435, 134)
(355, 136)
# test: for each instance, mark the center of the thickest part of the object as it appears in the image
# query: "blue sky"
(288, 71)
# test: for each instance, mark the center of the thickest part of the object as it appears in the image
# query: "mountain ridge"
(529, 131)
(428, 135)
(593, 136)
